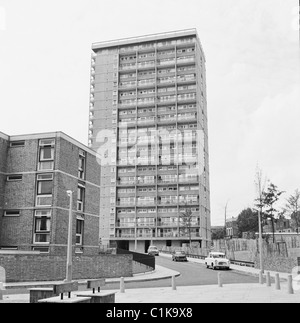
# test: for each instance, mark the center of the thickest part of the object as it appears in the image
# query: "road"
(191, 274)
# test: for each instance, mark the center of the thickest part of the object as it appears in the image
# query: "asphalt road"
(191, 274)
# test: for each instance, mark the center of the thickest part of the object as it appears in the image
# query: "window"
(79, 230)
(80, 197)
(20, 143)
(46, 154)
(11, 213)
(42, 225)
(81, 165)
(44, 184)
(14, 178)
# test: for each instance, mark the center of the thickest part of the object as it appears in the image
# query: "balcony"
(145, 120)
(185, 60)
(127, 67)
(128, 183)
(146, 203)
(145, 65)
(126, 204)
(131, 103)
(127, 85)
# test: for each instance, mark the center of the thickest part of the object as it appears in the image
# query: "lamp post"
(69, 248)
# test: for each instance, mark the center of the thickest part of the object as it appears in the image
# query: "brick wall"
(3, 157)
(26, 268)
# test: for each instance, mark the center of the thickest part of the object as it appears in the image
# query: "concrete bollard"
(220, 284)
(122, 285)
(173, 283)
(261, 277)
(277, 281)
(290, 284)
(268, 279)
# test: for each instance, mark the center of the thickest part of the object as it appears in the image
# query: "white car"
(217, 260)
(153, 251)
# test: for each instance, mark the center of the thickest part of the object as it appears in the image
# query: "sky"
(252, 62)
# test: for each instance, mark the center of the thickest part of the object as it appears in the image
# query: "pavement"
(223, 293)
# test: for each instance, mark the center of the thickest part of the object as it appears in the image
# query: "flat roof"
(145, 38)
(4, 136)
(47, 135)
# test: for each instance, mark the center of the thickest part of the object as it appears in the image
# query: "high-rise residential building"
(36, 171)
(148, 122)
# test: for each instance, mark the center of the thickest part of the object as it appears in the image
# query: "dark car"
(179, 256)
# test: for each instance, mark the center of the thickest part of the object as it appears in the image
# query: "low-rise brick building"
(35, 173)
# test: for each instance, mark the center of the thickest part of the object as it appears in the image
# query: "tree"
(186, 219)
(218, 234)
(247, 221)
(293, 208)
(270, 197)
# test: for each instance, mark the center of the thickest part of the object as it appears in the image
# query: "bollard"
(220, 280)
(261, 277)
(173, 283)
(277, 281)
(268, 279)
(122, 285)
(290, 284)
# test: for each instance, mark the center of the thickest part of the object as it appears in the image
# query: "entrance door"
(147, 244)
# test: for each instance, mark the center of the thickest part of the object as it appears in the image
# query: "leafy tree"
(247, 221)
(218, 234)
(270, 197)
(293, 208)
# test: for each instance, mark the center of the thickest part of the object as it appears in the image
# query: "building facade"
(35, 173)
(148, 122)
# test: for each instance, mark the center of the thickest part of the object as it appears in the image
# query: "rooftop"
(145, 38)
(46, 135)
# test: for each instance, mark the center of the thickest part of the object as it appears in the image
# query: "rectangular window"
(44, 184)
(81, 165)
(14, 178)
(79, 230)
(46, 154)
(42, 223)
(11, 213)
(15, 144)
(80, 197)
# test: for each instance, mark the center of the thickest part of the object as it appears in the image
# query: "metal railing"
(232, 261)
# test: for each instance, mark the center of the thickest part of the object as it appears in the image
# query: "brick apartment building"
(35, 173)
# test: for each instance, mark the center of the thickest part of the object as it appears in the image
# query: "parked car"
(179, 256)
(217, 260)
(152, 250)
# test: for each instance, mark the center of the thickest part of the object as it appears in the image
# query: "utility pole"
(69, 250)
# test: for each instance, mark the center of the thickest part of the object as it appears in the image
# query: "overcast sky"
(252, 54)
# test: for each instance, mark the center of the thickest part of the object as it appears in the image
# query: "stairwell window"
(42, 226)
(46, 154)
(80, 197)
(44, 184)
(81, 164)
(79, 230)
